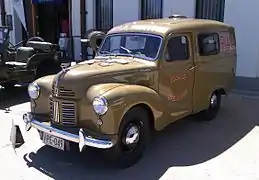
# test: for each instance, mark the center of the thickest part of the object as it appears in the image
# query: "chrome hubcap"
(213, 100)
(132, 135)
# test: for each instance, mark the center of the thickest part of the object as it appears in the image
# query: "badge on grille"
(56, 112)
(56, 91)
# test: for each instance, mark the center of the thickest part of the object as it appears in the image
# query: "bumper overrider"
(82, 139)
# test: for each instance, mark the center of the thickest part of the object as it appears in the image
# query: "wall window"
(104, 15)
(177, 49)
(208, 44)
(210, 9)
(151, 9)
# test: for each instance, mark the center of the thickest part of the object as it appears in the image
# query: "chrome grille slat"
(51, 108)
(67, 112)
(66, 92)
(61, 91)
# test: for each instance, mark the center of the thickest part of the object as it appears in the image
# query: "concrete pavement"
(226, 148)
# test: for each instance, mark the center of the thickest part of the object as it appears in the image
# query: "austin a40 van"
(145, 75)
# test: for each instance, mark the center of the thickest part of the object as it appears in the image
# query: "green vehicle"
(24, 64)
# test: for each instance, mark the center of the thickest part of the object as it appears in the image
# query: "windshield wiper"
(105, 52)
(127, 50)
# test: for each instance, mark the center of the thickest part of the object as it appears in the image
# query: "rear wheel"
(133, 137)
(214, 107)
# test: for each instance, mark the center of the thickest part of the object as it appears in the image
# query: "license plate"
(53, 141)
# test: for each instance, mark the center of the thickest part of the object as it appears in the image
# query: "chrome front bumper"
(81, 138)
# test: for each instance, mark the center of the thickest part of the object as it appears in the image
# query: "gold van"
(146, 75)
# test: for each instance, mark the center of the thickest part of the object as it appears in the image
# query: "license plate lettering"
(53, 141)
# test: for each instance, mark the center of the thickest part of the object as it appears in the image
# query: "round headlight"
(100, 105)
(34, 90)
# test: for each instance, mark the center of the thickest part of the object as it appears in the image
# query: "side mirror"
(9, 21)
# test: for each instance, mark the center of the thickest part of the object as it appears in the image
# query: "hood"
(107, 70)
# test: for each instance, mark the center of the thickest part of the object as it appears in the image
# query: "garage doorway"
(104, 15)
(52, 19)
(210, 9)
(151, 9)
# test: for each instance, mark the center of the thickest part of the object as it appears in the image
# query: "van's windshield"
(144, 46)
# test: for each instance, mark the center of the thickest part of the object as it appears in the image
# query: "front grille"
(68, 113)
(53, 89)
(51, 109)
(61, 91)
(63, 112)
(66, 92)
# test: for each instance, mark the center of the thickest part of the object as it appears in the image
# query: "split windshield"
(145, 46)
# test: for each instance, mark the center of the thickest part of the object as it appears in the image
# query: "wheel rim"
(131, 136)
(213, 100)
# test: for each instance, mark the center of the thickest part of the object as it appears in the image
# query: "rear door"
(177, 75)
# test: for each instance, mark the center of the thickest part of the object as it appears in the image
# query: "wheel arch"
(149, 111)
(222, 91)
(126, 97)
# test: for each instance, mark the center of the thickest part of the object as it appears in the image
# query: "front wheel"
(134, 134)
(214, 107)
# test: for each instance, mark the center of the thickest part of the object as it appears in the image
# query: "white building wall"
(16, 34)
(90, 14)
(9, 10)
(126, 11)
(76, 29)
(183, 7)
(241, 15)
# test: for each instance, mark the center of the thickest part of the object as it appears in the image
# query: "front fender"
(99, 89)
(122, 97)
(42, 102)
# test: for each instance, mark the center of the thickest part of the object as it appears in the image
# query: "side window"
(177, 49)
(208, 44)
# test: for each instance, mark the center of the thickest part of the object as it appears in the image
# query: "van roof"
(167, 25)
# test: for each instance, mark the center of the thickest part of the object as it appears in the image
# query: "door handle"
(191, 68)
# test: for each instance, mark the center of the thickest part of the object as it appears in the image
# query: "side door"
(176, 78)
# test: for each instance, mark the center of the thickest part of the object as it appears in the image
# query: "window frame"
(217, 41)
(188, 46)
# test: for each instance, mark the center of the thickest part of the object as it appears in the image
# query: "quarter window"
(177, 49)
(208, 44)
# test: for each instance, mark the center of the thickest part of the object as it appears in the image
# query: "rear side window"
(208, 44)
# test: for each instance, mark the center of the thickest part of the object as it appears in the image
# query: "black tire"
(214, 107)
(122, 155)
